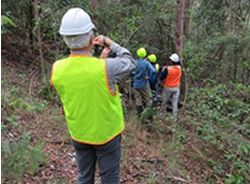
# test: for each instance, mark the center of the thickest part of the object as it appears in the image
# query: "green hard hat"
(141, 52)
(152, 58)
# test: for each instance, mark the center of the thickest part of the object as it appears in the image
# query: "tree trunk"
(236, 60)
(178, 46)
(179, 27)
(229, 18)
(30, 26)
(225, 59)
(187, 20)
(39, 42)
(93, 9)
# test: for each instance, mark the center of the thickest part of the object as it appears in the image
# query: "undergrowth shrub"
(221, 117)
(18, 158)
(20, 155)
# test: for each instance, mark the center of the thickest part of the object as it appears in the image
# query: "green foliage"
(148, 113)
(182, 138)
(18, 158)
(211, 48)
(215, 55)
(39, 106)
(5, 21)
(222, 121)
(139, 24)
(219, 41)
(11, 122)
(234, 179)
(17, 100)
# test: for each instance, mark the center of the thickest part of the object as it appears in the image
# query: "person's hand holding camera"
(102, 41)
(105, 53)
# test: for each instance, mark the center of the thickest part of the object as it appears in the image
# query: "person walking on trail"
(143, 95)
(87, 88)
(153, 78)
(171, 90)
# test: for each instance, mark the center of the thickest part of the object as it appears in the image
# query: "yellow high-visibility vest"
(157, 67)
(93, 112)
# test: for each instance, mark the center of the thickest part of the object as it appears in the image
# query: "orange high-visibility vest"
(173, 78)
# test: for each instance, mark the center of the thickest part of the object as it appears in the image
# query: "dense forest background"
(210, 142)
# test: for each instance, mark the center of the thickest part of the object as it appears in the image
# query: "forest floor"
(153, 151)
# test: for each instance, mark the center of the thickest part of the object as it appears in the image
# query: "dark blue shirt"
(153, 77)
(141, 78)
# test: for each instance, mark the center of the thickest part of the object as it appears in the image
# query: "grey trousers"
(107, 156)
(143, 97)
(171, 94)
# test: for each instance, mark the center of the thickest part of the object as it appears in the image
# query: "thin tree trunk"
(236, 60)
(179, 27)
(187, 20)
(229, 18)
(30, 25)
(93, 9)
(243, 76)
(225, 59)
(39, 42)
(178, 46)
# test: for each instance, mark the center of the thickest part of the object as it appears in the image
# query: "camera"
(98, 50)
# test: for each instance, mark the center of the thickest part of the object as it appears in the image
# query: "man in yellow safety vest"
(88, 89)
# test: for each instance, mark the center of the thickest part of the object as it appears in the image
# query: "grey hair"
(78, 41)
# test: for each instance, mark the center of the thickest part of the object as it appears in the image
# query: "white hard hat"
(75, 22)
(174, 57)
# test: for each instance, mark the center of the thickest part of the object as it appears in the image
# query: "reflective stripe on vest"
(93, 113)
(173, 78)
